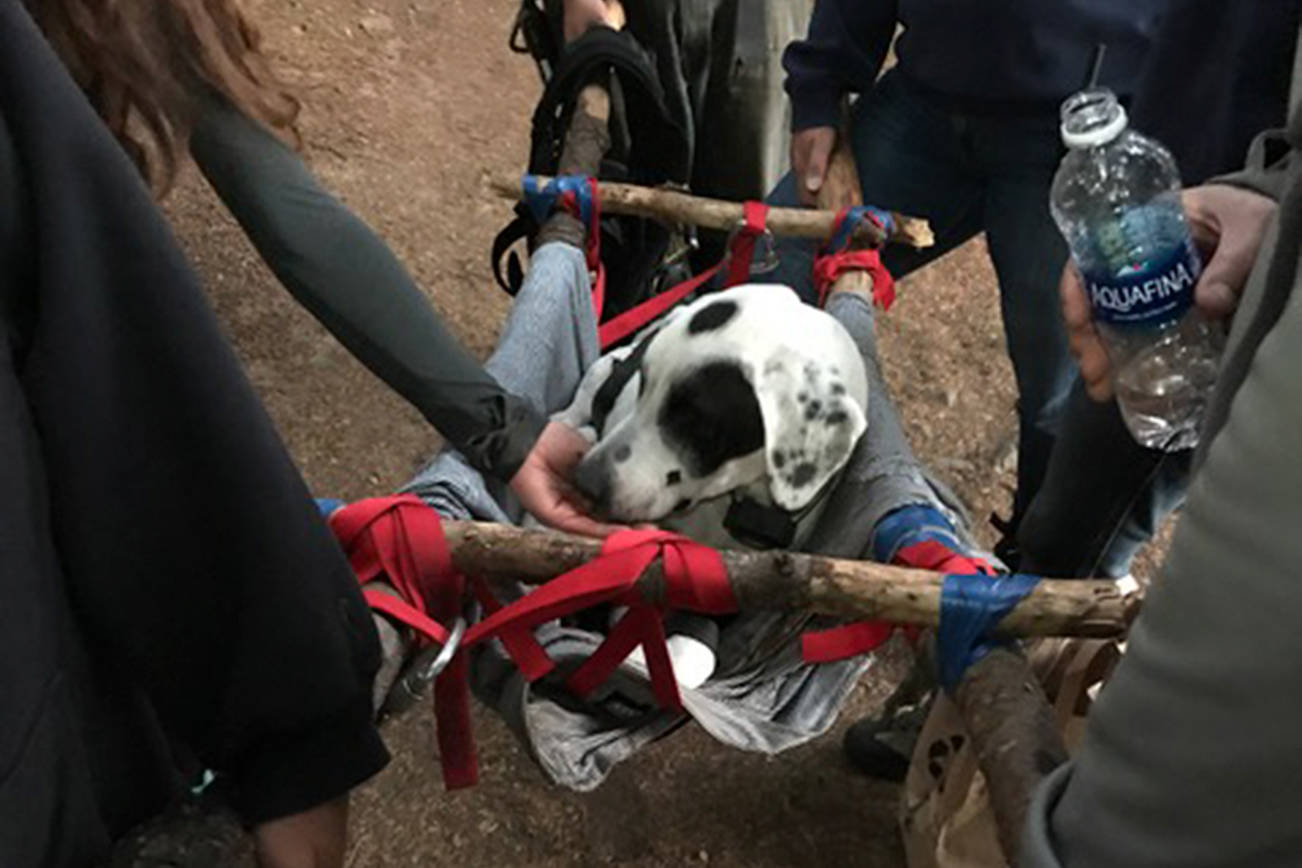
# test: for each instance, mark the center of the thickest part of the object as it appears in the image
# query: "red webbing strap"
(592, 249)
(630, 321)
(829, 267)
(842, 643)
(377, 547)
(528, 654)
(851, 640)
(836, 258)
(401, 539)
(695, 579)
(754, 218)
(740, 255)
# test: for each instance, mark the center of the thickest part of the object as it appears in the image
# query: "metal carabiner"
(420, 673)
(768, 259)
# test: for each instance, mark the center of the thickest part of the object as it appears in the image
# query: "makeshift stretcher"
(435, 568)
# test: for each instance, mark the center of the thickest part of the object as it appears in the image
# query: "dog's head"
(740, 387)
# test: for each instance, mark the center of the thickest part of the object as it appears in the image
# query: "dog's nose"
(593, 482)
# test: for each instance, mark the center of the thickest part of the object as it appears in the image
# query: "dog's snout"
(593, 481)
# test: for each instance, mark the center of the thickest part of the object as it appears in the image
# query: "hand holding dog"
(543, 487)
(1228, 225)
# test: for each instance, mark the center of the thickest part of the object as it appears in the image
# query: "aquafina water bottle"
(1116, 199)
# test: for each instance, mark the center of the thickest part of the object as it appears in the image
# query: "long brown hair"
(144, 64)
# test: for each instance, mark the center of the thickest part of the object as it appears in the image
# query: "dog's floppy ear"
(811, 426)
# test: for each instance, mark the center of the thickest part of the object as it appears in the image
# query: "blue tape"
(329, 505)
(909, 525)
(970, 607)
(541, 201)
(853, 217)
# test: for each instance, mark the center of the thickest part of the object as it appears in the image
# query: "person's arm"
(1192, 754)
(843, 53)
(338, 269)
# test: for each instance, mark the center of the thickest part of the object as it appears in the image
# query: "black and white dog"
(726, 421)
(746, 394)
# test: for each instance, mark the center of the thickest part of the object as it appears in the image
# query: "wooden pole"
(1003, 706)
(787, 580)
(841, 189)
(1015, 736)
(672, 206)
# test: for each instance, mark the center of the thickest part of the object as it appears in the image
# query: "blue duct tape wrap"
(328, 505)
(970, 607)
(542, 200)
(853, 217)
(909, 525)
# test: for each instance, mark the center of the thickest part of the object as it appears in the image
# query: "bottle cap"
(1092, 118)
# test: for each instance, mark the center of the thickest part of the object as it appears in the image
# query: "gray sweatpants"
(763, 696)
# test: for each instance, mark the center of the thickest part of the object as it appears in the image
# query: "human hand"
(315, 838)
(1228, 225)
(542, 484)
(811, 151)
(579, 15)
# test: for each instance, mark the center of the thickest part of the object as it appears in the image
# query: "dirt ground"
(406, 105)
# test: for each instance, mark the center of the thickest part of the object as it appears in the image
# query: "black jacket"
(1010, 56)
(166, 585)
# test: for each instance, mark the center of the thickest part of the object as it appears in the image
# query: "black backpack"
(647, 147)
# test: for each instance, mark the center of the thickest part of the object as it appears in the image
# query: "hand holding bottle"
(1227, 224)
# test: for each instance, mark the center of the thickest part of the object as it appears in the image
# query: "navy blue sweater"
(980, 56)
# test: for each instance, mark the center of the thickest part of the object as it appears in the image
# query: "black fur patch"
(837, 417)
(711, 317)
(803, 474)
(712, 416)
(623, 452)
(673, 477)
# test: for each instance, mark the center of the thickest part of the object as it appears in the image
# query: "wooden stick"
(671, 206)
(1014, 734)
(1007, 715)
(786, 580)
(841, 189)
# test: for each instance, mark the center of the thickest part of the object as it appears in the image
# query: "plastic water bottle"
(1116, 200)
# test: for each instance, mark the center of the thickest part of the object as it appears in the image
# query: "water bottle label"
(1154, 295)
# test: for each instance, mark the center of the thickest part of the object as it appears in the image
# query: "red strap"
(592, 250)
(830, 266)
(742, 253)
(695, 578)
(739, 259)
(529, 656)
(754, 218)
(630, 321)
(401, 539)
(842, 643)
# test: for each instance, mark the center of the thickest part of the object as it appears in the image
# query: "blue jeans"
(969, 174)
